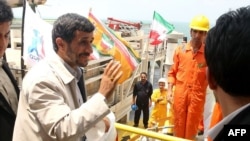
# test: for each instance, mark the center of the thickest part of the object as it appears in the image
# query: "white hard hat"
(96, 133)
(162, 80)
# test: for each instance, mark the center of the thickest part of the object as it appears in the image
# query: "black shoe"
(200, 133)
(136, 125)
(170, 134)
(145, 126)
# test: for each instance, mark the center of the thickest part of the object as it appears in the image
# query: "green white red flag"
(159, 29)
(107, 42)
(95, 55)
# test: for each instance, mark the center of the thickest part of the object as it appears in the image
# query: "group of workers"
(217, 58)
(144, 96)
(189, 78)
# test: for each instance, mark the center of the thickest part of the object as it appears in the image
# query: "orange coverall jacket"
(188, 74)
(216, 116)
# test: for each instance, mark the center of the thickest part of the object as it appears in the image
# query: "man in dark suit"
(227, 53)
(9, 90)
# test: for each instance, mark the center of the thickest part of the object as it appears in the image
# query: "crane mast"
(125, 27)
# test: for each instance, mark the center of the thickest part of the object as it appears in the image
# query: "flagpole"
(152, 66)
(22, 42)
(147, 56)
(145, 51)
(152, 63)
(90, 9)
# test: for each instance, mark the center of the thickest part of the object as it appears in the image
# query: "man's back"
(227, 56)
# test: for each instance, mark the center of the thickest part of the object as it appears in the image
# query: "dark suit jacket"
(7, 115)
(243, 118)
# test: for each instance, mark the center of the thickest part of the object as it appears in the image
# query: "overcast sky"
(139, 10)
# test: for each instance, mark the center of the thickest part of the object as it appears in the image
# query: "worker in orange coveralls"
(188, 74)
(159, 97)
(216, 116)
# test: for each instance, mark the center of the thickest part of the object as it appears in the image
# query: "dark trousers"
(145, 110)
(84, 138)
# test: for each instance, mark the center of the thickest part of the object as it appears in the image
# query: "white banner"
(37, 38)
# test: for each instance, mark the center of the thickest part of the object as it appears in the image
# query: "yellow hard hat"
(200, 22)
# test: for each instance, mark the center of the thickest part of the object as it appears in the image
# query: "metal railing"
(147, 133)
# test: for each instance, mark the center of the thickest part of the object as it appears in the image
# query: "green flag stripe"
(162, 21)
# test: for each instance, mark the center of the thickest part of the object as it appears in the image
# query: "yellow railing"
(147, 133)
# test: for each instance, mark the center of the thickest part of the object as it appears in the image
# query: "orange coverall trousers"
(188, 109)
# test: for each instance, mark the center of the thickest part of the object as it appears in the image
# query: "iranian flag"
(95, 54)
(106, 43)
(159, 29)
(119, 49)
